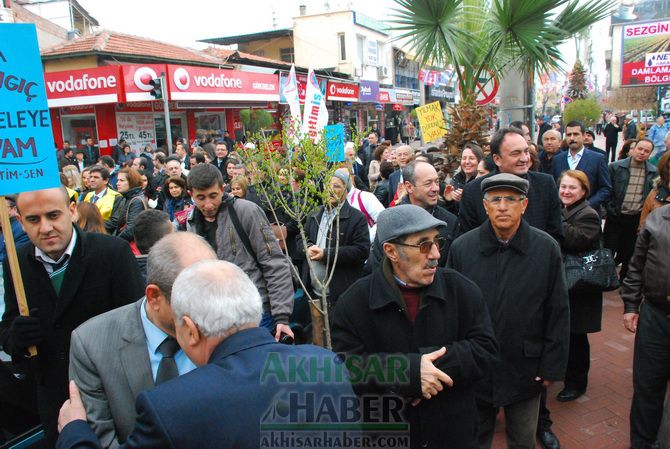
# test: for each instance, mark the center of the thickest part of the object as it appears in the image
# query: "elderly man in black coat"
(69, 276)
(426, 328)
(519, 270)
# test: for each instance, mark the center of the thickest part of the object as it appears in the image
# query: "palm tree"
(484, 37)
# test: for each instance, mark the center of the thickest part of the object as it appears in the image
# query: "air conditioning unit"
(358, 71)
(384, 71)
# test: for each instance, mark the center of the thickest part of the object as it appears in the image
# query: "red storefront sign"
(136, 80)
(342, 91)
(386, 95)
(202, 83)
(84, 87)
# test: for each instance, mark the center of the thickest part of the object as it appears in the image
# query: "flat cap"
(405, 219)
(505, 181)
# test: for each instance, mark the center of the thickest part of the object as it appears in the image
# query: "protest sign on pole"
(431, 120)
(316, 114)
(28, 157)
(334, 135)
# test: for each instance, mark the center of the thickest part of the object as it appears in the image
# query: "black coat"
(582, 232)
(354, 247)
(525, 290)
(370, 320)
(543, 212)
(611, 132)
(382, 192)
(102, 274)
(126, 209)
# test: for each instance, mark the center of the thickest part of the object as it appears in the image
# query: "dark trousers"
(610, 150)
(579, 361)
(544, 421)
(651, 372)
(620, 235)
(520, 423)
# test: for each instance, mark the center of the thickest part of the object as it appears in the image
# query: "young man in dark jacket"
(426, 328)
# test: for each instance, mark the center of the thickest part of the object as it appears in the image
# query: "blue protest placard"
(27, 154)
(334, 135)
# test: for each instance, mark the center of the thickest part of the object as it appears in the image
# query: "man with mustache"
(427, 328)
(519, 270)
(590, 162)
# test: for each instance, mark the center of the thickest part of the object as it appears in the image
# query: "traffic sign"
(488, 92)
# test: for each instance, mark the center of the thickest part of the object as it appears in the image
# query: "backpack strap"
(370, 220)
(241, 232)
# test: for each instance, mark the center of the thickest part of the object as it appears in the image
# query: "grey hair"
(408, 171)
(165, 262)
(218, 296)
(552, 131)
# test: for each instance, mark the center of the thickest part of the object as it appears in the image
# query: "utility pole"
(166, 109)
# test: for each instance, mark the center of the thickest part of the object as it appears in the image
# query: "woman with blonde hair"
(73, 177)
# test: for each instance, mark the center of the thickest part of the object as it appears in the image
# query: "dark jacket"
(222, 167)
(448, 233)
(595, 167)
(524, 287)
(620, 175)
(101, 275)
(174, 205)
(126, 209)
(394, 181)
(354, 247)
(382, 192)
(543, 212)
(246, 386)
(581, 233)
(458, 182)
(611, 132)
(630, 132)
(20, 237)
(91, 155)
(649, 267)
(370, 321)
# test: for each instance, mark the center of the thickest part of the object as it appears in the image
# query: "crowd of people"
(452, 284)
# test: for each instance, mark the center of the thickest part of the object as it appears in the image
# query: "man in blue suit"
(247, 391)
(590, 162)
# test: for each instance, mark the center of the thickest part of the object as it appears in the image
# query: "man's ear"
(154, 295)
(524, 205)
(391, 252)
(497, 160)
(193, 335)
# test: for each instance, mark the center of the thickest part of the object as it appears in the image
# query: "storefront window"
(76, 128)
(177, 127)
(210, 124)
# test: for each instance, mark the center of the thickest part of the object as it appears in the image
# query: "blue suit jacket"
(246, 385)
(595, 167)
(394, 180)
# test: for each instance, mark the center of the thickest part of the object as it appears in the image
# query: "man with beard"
(520, 272)
(590, 162)
(427, 327)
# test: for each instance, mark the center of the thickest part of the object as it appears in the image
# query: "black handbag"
(591, 271)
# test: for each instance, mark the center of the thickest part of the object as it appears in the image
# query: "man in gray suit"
(118, 354)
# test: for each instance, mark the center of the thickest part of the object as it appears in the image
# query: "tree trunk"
(318, 323)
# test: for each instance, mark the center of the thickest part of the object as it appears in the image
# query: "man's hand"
(630, 321)
(314, 253)
(25, 332)
(431, 377)
(283, 329)
(72, 409)
(545, 383)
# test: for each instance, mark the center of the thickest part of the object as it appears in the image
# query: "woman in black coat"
(581, 232)
(471, 156)
(128, 206)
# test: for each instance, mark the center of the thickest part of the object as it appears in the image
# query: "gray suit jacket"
(109, 361)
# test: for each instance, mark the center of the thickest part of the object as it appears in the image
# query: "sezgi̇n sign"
(27, 154)
(646, 54)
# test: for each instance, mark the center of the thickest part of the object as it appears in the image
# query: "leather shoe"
(548, 440)
(569, 394)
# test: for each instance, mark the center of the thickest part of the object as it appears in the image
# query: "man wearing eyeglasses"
(415, 335)
(519, 271)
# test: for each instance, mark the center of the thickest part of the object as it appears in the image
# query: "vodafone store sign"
(136, 80)
(89, 86)
(342, 91)
(202, 83)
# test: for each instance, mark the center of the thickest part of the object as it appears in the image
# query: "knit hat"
(404, 219)
(343, 175)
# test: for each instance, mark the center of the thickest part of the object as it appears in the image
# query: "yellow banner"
(432, 121)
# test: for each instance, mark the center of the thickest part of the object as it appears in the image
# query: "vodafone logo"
(82, 83)
(342, 90)
(331, 89)
(181, 79)
(142, 77)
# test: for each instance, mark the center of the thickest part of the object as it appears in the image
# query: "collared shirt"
(97, 196)
(48, 262)
(155, 337)
(573, 161)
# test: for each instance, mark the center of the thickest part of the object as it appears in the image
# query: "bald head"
(171, 254)
(40, 195)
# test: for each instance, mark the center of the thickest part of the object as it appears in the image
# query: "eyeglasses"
(497, 200)
(425, 247)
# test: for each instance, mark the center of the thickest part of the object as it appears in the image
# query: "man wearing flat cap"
(426, 329)
(519, 271)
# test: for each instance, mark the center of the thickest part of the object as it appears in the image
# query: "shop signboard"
(369, 92)
(26, 137)
(187, 83)
(404, 97)
(84, 87)
(431, 120)
(136, 80)
(387, 95)
(443, 93)
(302, 86)
(646, 54)
(342, 91)
(137, 128)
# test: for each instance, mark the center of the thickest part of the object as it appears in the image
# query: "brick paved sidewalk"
(599, 419)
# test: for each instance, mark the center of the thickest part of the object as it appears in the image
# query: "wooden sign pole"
(14, 264)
